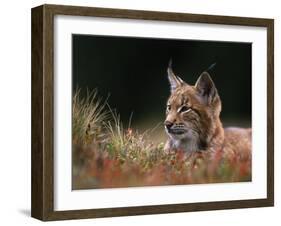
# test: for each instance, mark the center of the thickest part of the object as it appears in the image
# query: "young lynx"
(193, 120)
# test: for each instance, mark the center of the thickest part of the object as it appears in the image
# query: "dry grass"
(88, 115)
(105, 154)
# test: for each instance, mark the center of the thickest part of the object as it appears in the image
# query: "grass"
(88, 115)
(106, 155)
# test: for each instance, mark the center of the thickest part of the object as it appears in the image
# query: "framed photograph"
(141, 112)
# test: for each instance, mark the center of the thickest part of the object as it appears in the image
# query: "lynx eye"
(168, 107)
(184, 109)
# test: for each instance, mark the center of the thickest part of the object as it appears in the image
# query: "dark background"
(133, 72)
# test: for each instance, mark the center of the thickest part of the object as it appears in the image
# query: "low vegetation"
(106, 155)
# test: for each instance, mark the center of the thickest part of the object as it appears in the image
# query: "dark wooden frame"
(42, 203)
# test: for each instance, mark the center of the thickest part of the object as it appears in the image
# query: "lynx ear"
(206, 87)
(174, 80)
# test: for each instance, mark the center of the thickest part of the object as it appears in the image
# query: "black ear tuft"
(175, 81)
(206, 87)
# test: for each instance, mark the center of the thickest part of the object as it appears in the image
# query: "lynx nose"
(168, 124)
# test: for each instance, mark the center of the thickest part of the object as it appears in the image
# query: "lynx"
(193, 120)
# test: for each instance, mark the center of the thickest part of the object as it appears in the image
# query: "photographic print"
(146, 112)
(155, 112)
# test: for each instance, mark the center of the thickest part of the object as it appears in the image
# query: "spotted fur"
(193, 119)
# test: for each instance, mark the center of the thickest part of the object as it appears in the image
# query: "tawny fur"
(193, 120)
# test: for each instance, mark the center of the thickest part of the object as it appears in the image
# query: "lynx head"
(192, 112)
